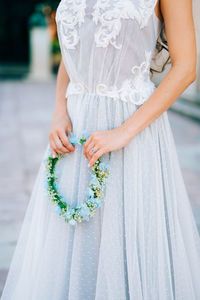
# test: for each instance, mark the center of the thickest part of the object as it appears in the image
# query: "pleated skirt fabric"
(142, 243)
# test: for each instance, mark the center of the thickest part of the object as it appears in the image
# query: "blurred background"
(29, 60)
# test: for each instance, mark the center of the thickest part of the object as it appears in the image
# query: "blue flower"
(100, 175)
(98, 203)
(73, 139)
(69, 213)
(49, 152)
(93, 176)
(85, 135)
(92, 200)
(85, 211)
(106, 167)
(46, 186)
(57, 209)
(103, 167)
(63, 199)
(89, 192)
(94, 180)
(73, 222)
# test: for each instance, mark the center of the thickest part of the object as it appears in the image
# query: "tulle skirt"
(141, 244)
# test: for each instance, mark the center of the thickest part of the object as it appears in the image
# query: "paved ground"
(25, 116)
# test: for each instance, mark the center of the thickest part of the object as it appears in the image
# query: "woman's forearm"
(61, 123)
(61, 86)
(171, 87)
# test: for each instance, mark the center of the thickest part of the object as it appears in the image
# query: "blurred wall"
(14, 38)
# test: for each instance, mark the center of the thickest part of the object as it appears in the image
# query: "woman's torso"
(107, 46)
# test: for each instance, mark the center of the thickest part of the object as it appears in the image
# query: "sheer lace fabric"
(104, 38)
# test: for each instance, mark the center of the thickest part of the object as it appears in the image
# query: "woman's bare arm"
(61, 86)
(180, 34)
(182, 48)
(61, 122)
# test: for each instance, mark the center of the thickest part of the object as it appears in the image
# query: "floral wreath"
(94, 193)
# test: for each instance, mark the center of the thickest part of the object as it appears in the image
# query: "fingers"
(60, 148)
(95, 156)
(59, 142)
(56, 145)
(87, 142)
(86, 145)
(88, 153)
(53, 148)
(64, 139)
(92, 142)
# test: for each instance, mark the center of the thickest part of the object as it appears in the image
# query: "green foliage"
(37, 19)
(72, 215)
(55, 47)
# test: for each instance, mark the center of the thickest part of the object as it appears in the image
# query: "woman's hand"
(105, 141)
(58, 139)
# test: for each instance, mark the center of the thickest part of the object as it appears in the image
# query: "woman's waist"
(129, 91)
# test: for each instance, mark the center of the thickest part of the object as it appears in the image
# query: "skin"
(180, 34)
(61, 122)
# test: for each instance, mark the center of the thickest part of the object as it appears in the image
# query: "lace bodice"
(107, 46)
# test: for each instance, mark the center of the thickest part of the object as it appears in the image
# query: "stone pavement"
(25, 115)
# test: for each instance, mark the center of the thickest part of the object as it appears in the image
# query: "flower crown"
(94, 192)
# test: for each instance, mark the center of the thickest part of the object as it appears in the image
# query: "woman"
(142, 243)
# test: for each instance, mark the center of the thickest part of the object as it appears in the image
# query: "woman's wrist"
(125, 130)
(60, 114)
(61, 109)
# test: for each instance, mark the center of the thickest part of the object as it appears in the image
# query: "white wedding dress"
(142, 243)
